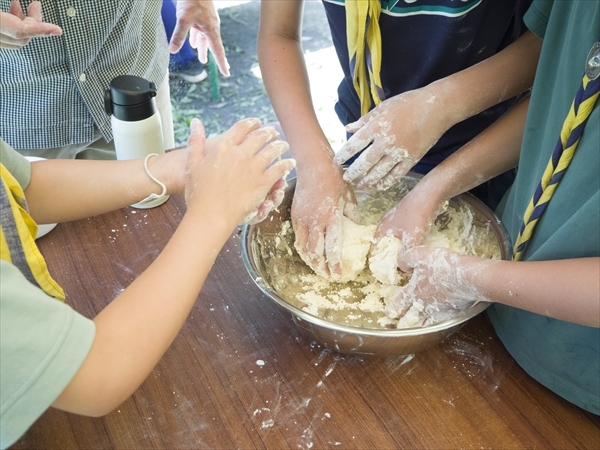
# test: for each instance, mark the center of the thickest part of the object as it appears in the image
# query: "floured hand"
(270, 203)
(244, 154)
(411, 219)
(321, 199)
(439, 287)
(394, 136)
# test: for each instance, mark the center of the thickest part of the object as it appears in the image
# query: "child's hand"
(234, 175)
(440, 286)
(321, 199)
(411, 219)
(272, 202)
(394, 136)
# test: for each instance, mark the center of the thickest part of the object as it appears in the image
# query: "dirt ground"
(243, 93)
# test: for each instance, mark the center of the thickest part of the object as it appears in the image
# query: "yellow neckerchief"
(17, 236)
(364, 50)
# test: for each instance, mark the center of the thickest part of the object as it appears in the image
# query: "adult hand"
(321, 199)
(17, 29)
(440, 284)
(245, 153)
(201, 19)
(394, 136)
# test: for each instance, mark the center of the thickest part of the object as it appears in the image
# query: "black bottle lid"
(129, 98)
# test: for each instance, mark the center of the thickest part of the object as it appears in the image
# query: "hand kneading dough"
(356, 243)
(383, 260)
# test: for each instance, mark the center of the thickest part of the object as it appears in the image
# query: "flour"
(382, 262)
(370, 281)
(356, 243)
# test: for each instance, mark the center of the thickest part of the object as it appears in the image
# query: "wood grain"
(241, 375)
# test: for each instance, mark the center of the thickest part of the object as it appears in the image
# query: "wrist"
(169, 168)
(444, 93)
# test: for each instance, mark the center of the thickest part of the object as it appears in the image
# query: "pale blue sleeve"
(18, 166)
(43, 343)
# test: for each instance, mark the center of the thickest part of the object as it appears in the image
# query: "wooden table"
(241, 375)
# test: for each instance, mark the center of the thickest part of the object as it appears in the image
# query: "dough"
(368, 293)
(356, 243)
(383, 261)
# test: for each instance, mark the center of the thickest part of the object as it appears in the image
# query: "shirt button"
(82, 77)
(71, 12)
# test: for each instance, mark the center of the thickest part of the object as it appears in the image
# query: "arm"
(58, 186)
(321, 197)
(201, 19)
(448, 280)
(542, 287)
(134, 330)
(17, 29)
(494, 151)
(408, 125)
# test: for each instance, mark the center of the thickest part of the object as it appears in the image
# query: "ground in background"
(243, 93)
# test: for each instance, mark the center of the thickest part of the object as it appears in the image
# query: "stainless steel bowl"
(353, 340)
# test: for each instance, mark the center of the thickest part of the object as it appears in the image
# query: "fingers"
(272, 151)
(198, 41)
(355, 126)
(279, 170)
(196, 149)
(179, 36)
(398, 171)
(351, 207)
(410, 258)
(272, 202)
(316, 251)
(16, 10)
(16, 29)
(364, 120)
(240, 131)
(377, 172)
(352, 146)
(333, 249)
(215, 45)
(361, 166)
(34, 11)
(258, 140)
(196, 144)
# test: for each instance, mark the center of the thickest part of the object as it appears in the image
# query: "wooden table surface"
(241, 375)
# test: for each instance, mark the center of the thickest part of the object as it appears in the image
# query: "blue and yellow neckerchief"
(570, 135)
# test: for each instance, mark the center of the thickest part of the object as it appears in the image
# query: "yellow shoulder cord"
(364, 50)
(570, 135)
(17, 237)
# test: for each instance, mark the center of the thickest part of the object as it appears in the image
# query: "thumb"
(408, 259)
(196, 142)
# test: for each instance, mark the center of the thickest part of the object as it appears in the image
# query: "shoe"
(191, 71)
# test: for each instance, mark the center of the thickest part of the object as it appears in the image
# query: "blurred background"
(243, 93)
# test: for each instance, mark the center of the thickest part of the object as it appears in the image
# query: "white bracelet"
(153, 196)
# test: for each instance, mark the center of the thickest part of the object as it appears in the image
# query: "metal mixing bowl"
(353, 340)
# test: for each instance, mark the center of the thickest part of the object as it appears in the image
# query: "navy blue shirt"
(425, 40)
